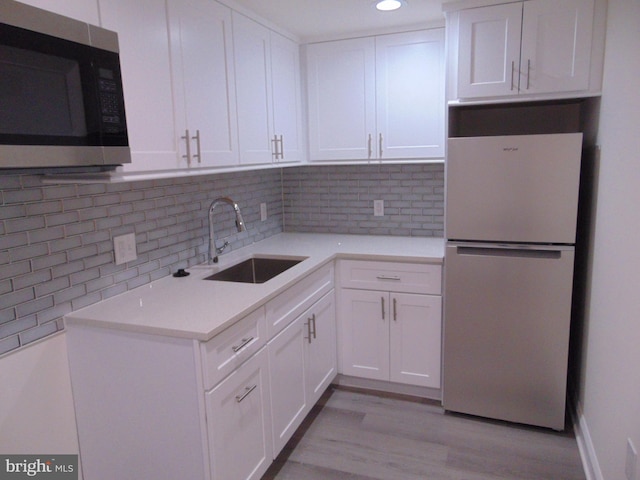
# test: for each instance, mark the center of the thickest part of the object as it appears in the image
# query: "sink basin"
(255, 270)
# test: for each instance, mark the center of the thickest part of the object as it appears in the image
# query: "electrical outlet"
(378, 208)
(263, 212)
(124, 248)
(631, 466)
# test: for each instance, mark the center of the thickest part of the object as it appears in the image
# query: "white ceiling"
(313, 20)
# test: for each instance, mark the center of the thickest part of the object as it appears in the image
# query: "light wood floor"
(352, 435)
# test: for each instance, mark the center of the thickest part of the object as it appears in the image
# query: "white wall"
(610, 390)
(36, 407)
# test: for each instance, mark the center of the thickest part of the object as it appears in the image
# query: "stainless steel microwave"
(61, 96)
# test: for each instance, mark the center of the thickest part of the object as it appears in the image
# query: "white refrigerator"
(510, 221)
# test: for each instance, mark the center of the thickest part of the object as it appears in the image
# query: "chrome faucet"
(214, 251)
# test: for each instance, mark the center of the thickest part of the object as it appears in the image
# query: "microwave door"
(521, 188)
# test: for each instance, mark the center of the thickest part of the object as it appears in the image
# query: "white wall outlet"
(378, 208)
(631, 466)
(263, 212)
(124, 247)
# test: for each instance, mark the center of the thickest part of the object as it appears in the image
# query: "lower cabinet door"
(240, 441)
(321, 349)
(414, 336)
(287, 380)
(365, 333)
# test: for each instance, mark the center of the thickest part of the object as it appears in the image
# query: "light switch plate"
(263, 212)
(124, 247)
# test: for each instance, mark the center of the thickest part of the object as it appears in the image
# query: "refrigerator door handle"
(512, 251)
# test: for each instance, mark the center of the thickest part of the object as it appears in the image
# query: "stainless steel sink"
(255, 270)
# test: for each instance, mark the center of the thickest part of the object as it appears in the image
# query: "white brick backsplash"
(56, 251)
(339, 199)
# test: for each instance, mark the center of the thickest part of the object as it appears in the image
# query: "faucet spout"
(214, 251)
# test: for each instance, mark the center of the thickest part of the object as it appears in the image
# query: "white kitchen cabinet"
(391, 318)
(377, 98)
(253, 85)
(238, 422)
(287, 101)
(302, 364)
(201, 53)
(178, 82)
(341, 90)
(287, 376)
(524, 48)
(146, 75)
(410, 95)
(268, 92)
(321, 348)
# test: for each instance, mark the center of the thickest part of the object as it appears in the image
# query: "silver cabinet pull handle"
(274, 141)
(281, 149)
(197, 139)
(313, 319)
(311, 331)
(380, 145)
(395, 310)
(244, 343)
(513, 66)
(528, 72)
(308, 325)
(187, 138)
(369, 153)
(382, 304)
(395, 278)
(247, 391)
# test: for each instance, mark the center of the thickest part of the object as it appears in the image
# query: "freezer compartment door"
(520, 188)
(506, 332)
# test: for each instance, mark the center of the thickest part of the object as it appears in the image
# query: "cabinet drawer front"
(391, 276)
(287, 306)
(226, 351)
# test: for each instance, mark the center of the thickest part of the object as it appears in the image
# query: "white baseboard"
(585, 445)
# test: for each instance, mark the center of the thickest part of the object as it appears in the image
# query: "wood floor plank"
(360, 436)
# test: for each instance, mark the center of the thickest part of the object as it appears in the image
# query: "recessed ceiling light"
(388, 5)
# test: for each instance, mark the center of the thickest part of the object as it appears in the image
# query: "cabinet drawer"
(228, 350)
(287, 306)
(391, 276)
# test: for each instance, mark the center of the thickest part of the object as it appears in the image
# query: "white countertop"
(189, 307)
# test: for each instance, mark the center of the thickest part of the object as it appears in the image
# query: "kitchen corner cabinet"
(268, 94)
(534, 47)
(377, 98)
(391, 322)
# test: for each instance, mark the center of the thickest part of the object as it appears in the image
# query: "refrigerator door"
(506, 335)
(520, 188)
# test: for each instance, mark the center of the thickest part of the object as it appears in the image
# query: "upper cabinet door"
(341, 89)
(556, 45)
(287, 108)
(201, 44)
(146, 75)
(489, 51)
(410, 101)
(253, 83)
